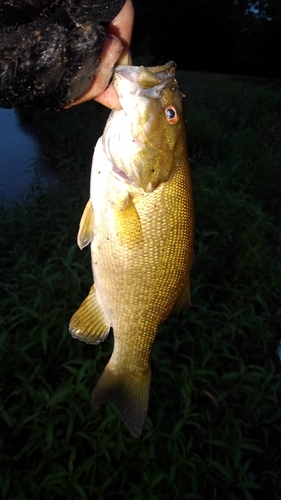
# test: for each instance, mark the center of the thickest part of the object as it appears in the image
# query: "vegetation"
(226, 36)
(214, 422)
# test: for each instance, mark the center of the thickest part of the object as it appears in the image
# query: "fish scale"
(140, 222)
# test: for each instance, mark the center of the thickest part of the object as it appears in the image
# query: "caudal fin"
(130, 393)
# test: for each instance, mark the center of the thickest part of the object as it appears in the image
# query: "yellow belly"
(141, 260)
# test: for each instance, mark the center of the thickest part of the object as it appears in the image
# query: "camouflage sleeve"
(49, 49)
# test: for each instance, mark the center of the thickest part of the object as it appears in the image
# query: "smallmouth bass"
(140, 223)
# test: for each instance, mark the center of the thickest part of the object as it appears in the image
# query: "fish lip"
(128, 71)
(163, 75)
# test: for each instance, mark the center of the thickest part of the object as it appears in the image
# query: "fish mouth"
(146, 77)
(142, 81)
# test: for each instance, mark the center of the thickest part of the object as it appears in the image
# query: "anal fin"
(89, 323)
(86, 227)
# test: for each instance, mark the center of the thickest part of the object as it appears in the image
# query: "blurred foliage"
(226, 36)
(213, 426)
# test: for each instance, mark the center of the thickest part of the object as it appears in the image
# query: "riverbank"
(213, 427)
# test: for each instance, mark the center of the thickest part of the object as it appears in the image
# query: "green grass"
(214, 422)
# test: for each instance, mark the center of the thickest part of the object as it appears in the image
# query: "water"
(18, 154)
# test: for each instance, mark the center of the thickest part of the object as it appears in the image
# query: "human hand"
(116, 50)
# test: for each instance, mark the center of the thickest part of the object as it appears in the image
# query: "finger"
(109, 98)
(122, 25)
(125, 57)
(110, 55)
(116, 51)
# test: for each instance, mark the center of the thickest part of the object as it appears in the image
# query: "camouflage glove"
(49, 49)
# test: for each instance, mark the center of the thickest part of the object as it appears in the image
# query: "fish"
(139, 221)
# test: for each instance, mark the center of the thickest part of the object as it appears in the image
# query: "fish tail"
(129, 391)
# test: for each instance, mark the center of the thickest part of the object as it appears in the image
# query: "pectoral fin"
(86, 227)
(183, 301)
(128, 225)
(90, 323)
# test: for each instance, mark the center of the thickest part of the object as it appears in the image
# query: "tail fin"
(129, 391)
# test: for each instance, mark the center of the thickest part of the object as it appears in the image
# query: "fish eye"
(171, 114)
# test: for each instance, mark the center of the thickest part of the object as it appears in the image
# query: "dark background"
(226, 36)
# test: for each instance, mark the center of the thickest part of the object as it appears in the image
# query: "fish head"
(141, 139)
